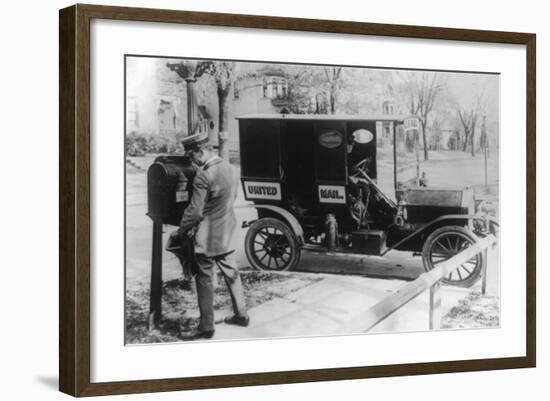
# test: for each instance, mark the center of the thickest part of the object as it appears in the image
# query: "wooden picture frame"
(75, 207)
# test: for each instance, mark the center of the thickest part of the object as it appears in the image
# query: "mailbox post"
(155, 301)
(169, 184)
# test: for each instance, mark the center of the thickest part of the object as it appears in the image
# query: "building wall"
(155, 104)
(141, 92)
(157, 101)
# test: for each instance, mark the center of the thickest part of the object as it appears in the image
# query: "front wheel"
(271, 245)
(446, 242)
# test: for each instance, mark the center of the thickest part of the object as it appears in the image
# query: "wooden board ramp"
(367, 319)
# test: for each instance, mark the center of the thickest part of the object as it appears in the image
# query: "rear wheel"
(446, 242)
(271, 245)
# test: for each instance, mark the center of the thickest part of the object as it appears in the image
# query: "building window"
(274, 88)
(132, 114)
(264, 88)
(387, 131)
(412, 122)
(388, 108)
(167, 118)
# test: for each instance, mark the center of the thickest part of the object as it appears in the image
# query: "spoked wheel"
(446, 242)
(271, 245)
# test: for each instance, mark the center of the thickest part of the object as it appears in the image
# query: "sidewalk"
(323, 308)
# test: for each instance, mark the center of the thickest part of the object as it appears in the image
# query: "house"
(156, 100)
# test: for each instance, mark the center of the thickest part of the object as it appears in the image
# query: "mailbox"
(169, 186)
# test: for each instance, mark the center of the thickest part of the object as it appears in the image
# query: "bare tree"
(421, 91)
(314, 89)
(329, 90)
(468, 117)
(438, 135)
(484, 139)
(333, 77)
(304, 85)
(223, 73)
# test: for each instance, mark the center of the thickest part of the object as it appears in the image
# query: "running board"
(336, 251)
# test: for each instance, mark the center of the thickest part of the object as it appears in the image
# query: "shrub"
(140, 144)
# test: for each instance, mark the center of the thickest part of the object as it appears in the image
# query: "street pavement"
(445, 169)
(349, 284)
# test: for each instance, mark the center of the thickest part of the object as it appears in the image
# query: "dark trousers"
(205, 287)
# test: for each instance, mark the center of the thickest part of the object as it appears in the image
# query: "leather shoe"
(198, 334)
(237, 320)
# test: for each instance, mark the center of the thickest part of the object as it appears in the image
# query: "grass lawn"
(473, 312)
(180, 310)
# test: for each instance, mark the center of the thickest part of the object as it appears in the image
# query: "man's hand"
(175, 235)
(179, 233)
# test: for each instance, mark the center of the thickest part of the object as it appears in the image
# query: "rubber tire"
(295, 250)
(434, 236)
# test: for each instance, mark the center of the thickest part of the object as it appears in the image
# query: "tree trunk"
(409, 142)
(223, 133)
(472, 141)
(423, 124)
(332, 100)
(466, 140)
(417, 149)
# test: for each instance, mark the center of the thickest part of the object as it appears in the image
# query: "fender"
(440, 218)
(290, 219)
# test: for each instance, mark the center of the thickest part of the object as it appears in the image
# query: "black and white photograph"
(272, 200)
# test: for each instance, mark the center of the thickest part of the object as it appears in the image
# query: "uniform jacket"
(211, 207)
